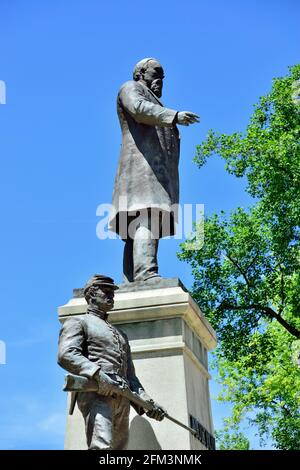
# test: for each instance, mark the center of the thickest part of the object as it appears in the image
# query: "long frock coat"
(147, 175)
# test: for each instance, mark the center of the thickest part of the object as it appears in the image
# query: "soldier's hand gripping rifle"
(77, 384)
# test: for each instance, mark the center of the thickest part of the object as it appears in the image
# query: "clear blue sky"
(63, 62)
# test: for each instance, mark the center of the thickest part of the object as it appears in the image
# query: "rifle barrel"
(82, 384)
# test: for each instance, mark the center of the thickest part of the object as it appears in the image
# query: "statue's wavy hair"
(141, 67)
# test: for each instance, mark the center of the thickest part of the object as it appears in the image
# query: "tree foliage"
(232, 441)
(268, 155)
(246, 276)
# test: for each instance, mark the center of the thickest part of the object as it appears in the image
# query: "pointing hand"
(185, 118)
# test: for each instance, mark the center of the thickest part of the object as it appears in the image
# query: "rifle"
(78, 383)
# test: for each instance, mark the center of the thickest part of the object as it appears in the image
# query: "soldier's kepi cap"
(100, 280)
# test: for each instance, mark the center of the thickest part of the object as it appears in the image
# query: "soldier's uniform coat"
(86, 345)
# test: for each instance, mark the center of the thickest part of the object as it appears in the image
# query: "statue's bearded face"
(153, 77)
(103, 297)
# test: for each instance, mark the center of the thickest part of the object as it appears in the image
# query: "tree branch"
(236, 264)
(282, 292)
(252, 261)
(268, 311)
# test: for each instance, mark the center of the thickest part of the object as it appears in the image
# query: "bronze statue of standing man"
(91, 347)
(146, 188)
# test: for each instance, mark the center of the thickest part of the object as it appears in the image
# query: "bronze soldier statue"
(146, 188)
(91, 347)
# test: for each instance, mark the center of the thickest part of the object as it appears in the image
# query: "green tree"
(232, 441)
(246, 276)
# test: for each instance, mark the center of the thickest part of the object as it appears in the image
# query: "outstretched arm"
(133, 100)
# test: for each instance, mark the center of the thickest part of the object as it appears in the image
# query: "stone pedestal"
(169, 339)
